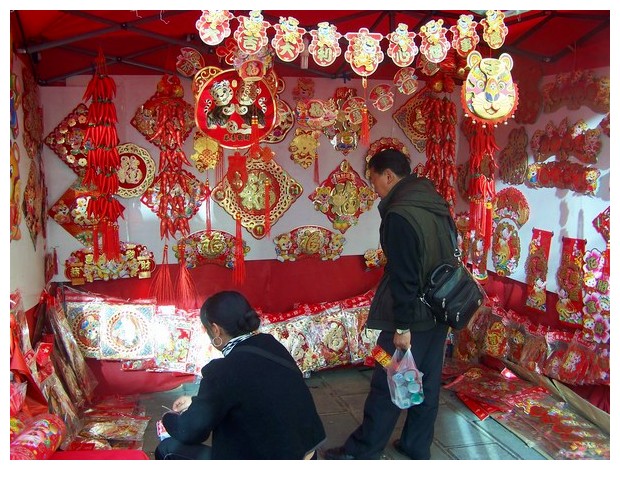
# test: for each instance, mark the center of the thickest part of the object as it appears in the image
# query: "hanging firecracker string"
(440, 146)
(239, 266)
(103, 162)
(186, 288)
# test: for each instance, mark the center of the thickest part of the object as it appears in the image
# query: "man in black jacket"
(415, 236)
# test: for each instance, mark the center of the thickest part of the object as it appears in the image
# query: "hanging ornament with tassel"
(103, 162)
(365, 130)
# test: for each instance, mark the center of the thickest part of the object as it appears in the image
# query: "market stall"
(240, 164)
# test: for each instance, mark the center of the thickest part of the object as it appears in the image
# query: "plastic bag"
(404, 380)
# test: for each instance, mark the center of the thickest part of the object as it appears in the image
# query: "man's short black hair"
(390, 158)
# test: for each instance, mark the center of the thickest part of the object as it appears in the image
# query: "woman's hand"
(182, 403)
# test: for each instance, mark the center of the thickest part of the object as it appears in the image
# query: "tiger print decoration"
(489, 95)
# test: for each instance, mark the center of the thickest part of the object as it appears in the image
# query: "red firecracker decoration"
(103, 162)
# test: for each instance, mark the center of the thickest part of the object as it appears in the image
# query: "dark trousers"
(172, 449)
(381, 415)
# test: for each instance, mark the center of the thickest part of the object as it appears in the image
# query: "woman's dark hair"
(231, 311)
(390, 158)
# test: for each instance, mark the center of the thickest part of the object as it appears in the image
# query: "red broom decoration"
(186, 287)
(239, 266)
(161, 283)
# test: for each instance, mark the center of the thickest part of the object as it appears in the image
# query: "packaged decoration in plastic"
(330, 338)
(404, 380)
(39, 439)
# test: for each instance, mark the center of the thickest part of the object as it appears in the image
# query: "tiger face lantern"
(489, 95)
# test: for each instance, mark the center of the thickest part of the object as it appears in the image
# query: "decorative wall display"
(495, 31)
(402, 48)
(247, 198)
(16, 101)
(85, 320)
(68, 142)
(563, 174)
(309, 241)
(596, 302)
(189, 62)
(406, 81)
(207, 152)
(489, 94)
(209, 246)
(316, 114)
(226, 105)
(536, 269)
(135, 261)
(165, 119)
(70, 212)
(304, 89)
(343, 197)
(285, 119)
(570, 282)
(563, 142)
(251, 34)
(411, 118)
(324, 46)
(214, 26)
(288, 41)
(381, 97)
(34, 203)
(304, 147)
(510, 214)
(33, 115)
(15, 193)
(364, 52)
(250, 67)
(576, 89)
(136, 172)
(512, 160)
(464, 36)
(434, 44)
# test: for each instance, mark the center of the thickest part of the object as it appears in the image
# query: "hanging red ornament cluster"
(440, 146)
(103, 162)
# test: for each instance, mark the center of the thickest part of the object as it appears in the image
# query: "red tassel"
(208, 205)
(186, 287)
(161, 283)
(267, 208)
(365, 131)
(255, 137)
(96, 242)
(316, 170)
(239, 266)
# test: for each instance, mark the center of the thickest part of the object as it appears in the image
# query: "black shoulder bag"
(451, 292)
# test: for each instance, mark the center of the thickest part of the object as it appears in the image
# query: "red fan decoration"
(103, 161)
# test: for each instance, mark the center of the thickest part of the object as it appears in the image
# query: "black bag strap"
(268, 355)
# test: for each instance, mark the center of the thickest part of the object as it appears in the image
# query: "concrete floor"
(339, 396)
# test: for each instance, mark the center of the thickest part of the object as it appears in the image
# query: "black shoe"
(399, 448)
(337, 453)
